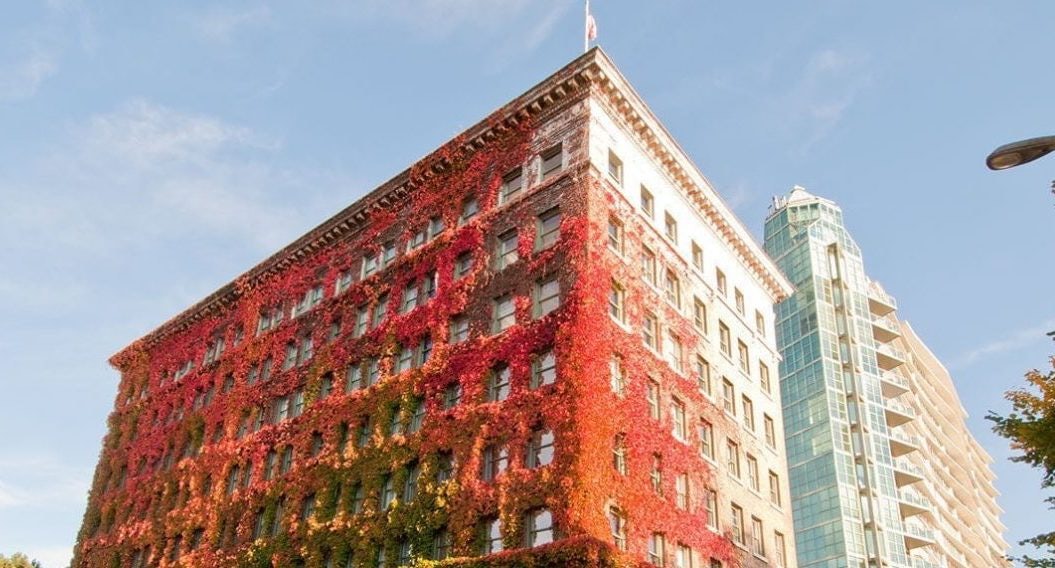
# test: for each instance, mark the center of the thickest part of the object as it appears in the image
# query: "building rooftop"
(593, 73)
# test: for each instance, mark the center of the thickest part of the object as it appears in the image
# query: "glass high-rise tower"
(858, 414)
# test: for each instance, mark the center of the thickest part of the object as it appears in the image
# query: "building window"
(355, 505)
(648, 266)
(678, 417)
(512, 183)
(681, 491)
(548, 228)
(703, 376)
(452, 395)
(405, 359)
(770, 431)
(738, 523)
(615, 168)
(470, 207)
(436, 226)
(697, 256)
(463, 264)
(362, 316)
(656, 475)
(388, 492)
(760, 323)
(617, 523)
(410, 297)
(673, 351)
(763, 378)
(672, 288)
(758, 546)
(506, 249)
(418, 417)
(749, 412)
(719, 278)
(362, 438)
(380, 310)
(410, 483)
(504, 313)
(728, 396)
(544, 369)
(774, 488)
(552, 160)
(653, 400)
(617, 375)
(682, 556)
(547, 296)
(492, 532)
(498, 384)
(656, 549)
(417, 240)
(616, 297)
(287, 460)
(780, 554)
(670, 228)
(745, 357)
(405, 554)
(648, 203)
(648, 330)
(371, 262)
(441, 544)
(307, 507)
(706, 439)
(619, 455)
(752, 472)
(459, 329)
(710, 504)
(540, 449)
(739, 299)
(444, 466)
(388, 254)
(699, 315)
(725, 341)
(615, 235)
(373, 371)
(495, 460)
(732, 458)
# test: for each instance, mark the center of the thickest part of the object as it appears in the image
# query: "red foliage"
(148, 489)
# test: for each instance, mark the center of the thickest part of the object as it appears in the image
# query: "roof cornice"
(675, 162)
(570, 82)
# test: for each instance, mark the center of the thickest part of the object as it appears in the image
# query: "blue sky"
(150, 152)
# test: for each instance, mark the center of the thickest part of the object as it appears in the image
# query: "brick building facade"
(549, 337)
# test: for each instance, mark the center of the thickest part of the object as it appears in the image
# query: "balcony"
(893, 384)
(884, 330)
(902, 443)
(906, 472)
(889, 358)
(912, 503)
(879, 302)
(897, 413)
(917, 535)
(918, 562)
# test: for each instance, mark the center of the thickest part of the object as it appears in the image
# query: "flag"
(591, 29)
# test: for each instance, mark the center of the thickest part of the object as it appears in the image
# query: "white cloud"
(829, 84)
(148, 177)
(221, 24)
(442, 18)
(20, 79)
(1011, 342)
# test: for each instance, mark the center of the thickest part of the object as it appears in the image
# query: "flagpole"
(586, 28)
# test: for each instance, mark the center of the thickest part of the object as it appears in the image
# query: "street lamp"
(1021, 152)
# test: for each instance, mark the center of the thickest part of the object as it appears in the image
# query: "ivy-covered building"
(547, 343)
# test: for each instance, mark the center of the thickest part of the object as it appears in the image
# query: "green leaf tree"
(18, 560)
(1031, 429)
